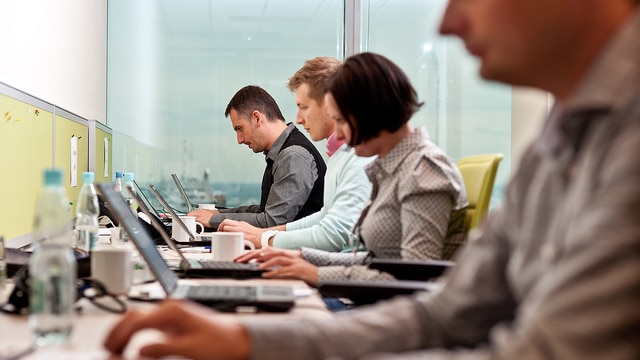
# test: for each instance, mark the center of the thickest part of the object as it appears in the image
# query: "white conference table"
(93, 324)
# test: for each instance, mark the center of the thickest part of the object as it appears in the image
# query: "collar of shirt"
(389, 163)
(607, 87)
(333, 144)
(275, 148)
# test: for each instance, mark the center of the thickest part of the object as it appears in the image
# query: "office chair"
(478, 173)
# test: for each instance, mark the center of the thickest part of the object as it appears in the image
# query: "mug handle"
(201, 228)
(249, 244)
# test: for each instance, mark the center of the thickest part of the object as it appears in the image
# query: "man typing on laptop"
(293, 180)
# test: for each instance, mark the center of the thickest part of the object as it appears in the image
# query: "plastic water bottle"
(117, 184)
(52, 266)
(87, 211)
(128, 193)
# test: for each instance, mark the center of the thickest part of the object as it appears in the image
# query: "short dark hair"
(251, 98)
(373, 94)
(315, 73)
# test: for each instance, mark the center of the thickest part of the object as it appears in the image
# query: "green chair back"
(478, 173)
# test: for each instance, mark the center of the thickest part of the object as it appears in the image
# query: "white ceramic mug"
(207, 207)
(112, 266)
(226, 246)
(178, 233)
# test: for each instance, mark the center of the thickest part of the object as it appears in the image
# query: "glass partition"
(464, 114)
(173, 67)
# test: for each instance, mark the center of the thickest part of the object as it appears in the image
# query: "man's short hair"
(315, 73)
(251, 98)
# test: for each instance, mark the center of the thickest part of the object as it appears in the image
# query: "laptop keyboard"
(221, 292)
(228, 265)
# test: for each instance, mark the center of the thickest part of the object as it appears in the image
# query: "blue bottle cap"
(53, 177)
(128, 176)
(88, 177)
(118, 174)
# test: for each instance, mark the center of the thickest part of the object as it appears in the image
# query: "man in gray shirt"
(293, 180)
(555, 271)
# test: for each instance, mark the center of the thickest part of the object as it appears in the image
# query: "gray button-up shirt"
(294, 172)
(555, 273)
(416, 211)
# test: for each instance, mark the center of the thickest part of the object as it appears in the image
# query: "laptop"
(203, 241)
(228, 298)
(182, 192)
(203, 267)
(142, 198)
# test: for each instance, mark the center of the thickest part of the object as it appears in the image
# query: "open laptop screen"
(140, 237)
(182, 192)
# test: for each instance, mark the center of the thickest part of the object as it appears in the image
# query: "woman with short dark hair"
(418, 201)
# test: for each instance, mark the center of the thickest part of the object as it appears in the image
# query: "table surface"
(93, 324)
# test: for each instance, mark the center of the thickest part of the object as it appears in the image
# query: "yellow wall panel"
(26, 147)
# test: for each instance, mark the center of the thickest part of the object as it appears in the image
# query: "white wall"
(529, 109)
(57, 51)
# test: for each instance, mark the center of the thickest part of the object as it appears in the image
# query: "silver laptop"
(182, 192)
(220, 297)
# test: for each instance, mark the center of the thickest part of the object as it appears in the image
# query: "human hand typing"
(190, 330)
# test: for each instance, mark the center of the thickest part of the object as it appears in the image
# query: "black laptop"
(166, 221)
(200, 241)
(221, 297)
(203, 267)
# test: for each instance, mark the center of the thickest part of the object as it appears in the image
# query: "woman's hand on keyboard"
(290, 268)
(262, 255)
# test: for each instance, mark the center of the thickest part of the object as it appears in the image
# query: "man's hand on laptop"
(186, 327)
(203, 215)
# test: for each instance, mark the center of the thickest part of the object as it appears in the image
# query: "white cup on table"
(112, 266)
(226, 246)
(207, 207)
(178, 233)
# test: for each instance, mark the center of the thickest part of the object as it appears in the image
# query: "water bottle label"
(93, 240)
(86, 239)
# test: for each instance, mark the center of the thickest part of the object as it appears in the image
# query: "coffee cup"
(226, 246)
(178, 233)
(112, 266)
(207, 207)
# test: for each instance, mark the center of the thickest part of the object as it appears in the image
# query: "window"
(174, 65)
(464, 114)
